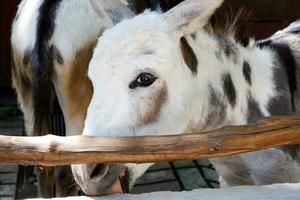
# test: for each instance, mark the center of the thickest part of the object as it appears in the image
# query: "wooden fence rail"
(52, 150)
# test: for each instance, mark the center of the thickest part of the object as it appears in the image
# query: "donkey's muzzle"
(95, 179)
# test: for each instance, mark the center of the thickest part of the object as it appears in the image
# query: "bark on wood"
(52, 150)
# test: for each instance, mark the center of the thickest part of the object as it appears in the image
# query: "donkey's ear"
(191, 15)
(112, 11)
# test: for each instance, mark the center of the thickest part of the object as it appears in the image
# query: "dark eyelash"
(135, 84)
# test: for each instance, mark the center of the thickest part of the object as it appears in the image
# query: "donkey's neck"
(236, 84)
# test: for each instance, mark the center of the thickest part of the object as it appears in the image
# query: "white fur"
(24, 29)
(76, 25)
(114, 103)
(150, 43)
(23, 38)
(121, 55)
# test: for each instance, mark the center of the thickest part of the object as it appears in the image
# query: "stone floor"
(8, 181)
(178, 176)
(9, 173)
(20, 182)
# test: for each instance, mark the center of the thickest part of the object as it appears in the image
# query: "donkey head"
(142, 71)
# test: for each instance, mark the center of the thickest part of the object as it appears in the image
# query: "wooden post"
(52, 150)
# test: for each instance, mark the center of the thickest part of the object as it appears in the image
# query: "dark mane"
(232, 28)
(164, 5)
(229, 25)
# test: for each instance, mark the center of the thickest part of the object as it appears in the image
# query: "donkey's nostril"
(99, 170)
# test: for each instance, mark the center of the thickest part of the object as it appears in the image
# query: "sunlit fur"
(150, 43)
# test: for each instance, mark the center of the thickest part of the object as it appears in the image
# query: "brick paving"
(178, 176)
(9, 173)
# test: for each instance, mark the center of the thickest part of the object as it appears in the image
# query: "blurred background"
(259, 19)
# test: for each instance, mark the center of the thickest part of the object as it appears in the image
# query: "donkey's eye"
(143, 80)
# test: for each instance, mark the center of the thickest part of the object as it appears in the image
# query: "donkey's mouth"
(120, 186)
(98, 179)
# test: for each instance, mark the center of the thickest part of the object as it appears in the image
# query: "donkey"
(52, 42)
(166, 73)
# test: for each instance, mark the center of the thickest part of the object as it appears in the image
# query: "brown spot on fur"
(22, 83)
(22, 79)
(77, 86)
(194, 36)
(26, 58)
(57, 55)
(154, 106)
(21, 75)
(280, 104)
(217, 110)
(189, 55)
(254, 112)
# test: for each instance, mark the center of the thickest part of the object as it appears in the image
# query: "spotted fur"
(188, 55)
(247, 72)
(52, 42)
(254, 112)
(233, 85)
(229, 89)
(215, 116)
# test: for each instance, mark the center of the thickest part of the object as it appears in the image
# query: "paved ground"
(178, 176)
(8, 181)
(20, 182)
(9, 173)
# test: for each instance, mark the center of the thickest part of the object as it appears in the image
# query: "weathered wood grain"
(52, 150)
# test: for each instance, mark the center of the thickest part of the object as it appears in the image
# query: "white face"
(142, 85)
(137, 72)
